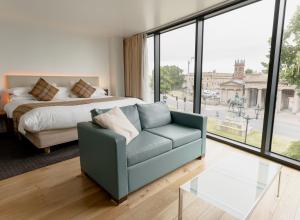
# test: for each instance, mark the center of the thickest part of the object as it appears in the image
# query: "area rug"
(17, 157)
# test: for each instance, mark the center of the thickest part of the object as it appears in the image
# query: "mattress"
(59, 117)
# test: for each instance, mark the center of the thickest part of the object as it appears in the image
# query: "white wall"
(116, 66)
(29, 48)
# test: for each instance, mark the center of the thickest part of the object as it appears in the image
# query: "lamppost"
(189, 62)
(248, 118)
(165, 97)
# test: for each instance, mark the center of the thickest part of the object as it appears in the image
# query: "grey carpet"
(17, 157)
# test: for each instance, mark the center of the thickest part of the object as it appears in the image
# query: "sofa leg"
(119, 201)
(116, 201)
(200, 157)
(47, 150)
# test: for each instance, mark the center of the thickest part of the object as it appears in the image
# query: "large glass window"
(233, 53)
(234, 77)
(177, 56)
(286, 131)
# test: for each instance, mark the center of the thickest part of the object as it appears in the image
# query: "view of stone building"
(220, 87)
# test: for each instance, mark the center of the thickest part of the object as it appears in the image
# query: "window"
(177, 56)
(148, 81)
(234, 80)
(286, 130)
(236, 52)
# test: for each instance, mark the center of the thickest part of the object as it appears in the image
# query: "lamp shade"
(4, 96)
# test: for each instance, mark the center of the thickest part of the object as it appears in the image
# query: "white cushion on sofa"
(116, 120)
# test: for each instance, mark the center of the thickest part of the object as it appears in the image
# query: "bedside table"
(3, 122)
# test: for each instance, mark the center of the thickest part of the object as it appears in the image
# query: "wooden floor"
(60, 191)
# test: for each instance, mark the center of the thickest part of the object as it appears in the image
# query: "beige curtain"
(133, 65)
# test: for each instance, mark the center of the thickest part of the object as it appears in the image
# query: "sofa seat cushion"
(178, 134)
(146, 146)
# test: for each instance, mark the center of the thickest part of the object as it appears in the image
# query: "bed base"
(45, 139)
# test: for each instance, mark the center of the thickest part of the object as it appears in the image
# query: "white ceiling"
(101, 17)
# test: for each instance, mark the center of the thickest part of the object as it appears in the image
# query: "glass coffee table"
(234, 185)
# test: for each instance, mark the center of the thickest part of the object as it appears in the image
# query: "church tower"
(239, 69)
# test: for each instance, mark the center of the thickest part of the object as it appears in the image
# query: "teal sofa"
(162, 146)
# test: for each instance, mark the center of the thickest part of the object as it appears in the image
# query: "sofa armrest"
(103, 158)
(192, 120)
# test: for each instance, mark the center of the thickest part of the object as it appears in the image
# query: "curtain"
(134, 65)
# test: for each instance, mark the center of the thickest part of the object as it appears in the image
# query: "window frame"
(272, 82)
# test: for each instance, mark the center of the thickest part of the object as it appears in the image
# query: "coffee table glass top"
(235, 184)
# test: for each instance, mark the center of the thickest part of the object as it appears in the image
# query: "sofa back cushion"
(130, 111)
(154, 115)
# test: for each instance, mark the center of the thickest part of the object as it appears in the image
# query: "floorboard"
(60, 191)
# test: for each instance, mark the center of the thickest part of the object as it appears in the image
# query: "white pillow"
(63, 93)
(19, 91)
(115, 120)
(25, 97)
(98, 93)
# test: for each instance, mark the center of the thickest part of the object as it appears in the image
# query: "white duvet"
(59, 117)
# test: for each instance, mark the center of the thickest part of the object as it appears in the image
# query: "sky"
(239, 34)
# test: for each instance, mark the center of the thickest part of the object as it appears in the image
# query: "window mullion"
(156, 67)
(273, 75)
(198, 65)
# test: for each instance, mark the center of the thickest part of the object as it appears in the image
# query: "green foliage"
(294, 150)
(266, 64)
(171, 78)
(249, 71)
(290, 52)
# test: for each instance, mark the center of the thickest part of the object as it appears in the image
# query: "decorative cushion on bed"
(83, 89)
(43, 91)
(115, 120)
(129, 111)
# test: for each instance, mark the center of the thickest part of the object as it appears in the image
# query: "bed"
(46, 124)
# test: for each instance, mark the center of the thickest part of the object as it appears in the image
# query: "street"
(286, 123)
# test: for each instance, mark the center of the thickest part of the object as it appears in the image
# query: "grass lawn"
(280, 144)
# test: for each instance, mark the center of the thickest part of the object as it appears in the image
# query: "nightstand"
(3, 122)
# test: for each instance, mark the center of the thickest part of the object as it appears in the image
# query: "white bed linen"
(59, 117)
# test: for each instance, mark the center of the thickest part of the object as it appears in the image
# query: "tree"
(249, 71)
(171, 78)
(290, 52)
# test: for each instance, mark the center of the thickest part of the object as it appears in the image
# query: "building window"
(286, 130)
(177, 57)
(234, 78)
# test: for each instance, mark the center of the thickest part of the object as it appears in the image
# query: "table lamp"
(4, 97)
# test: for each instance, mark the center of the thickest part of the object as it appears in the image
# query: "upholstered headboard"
(30, 80)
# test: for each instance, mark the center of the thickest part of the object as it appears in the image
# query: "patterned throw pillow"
(83, 89)
(43, 91)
